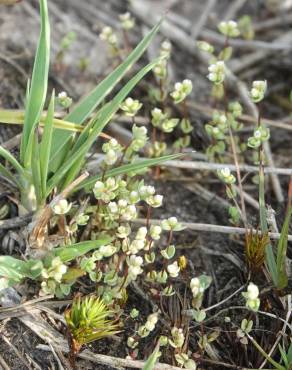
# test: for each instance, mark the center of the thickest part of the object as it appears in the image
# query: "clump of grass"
(88, 320)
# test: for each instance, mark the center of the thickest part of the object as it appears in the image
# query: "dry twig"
(214, 228)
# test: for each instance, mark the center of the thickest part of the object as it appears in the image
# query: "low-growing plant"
(220, 130)
(49, 162)
(88, 320)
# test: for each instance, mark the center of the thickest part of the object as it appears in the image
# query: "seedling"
(88, 320)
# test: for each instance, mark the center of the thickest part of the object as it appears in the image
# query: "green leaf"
(73, 251)
(46, 143)
(39, 83)
(98, 126)
(282, 251)
(33, 268)
(269, 253)
(150, 363)
(12, 268)
(83, 110)
(13, 117)
(139, 165)
(9, 157)
(36, 171)
(8, 175)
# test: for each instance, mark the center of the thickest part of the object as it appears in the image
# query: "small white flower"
(132, 343)
(181, 90)
(258, 90)
(205, 46)
(252, 297)
(217, 72)
(155, 201)
(129, 213)
(141, 233)
(136, 246)
(146, 191)
(110, 157)
(107, 250)
(131, 107)
(62, 95)
(127, 21)
(178, 337)
(171, 224)
(108, 35)
(226, 176)
(134, 264)
(123, 231)
(165, 49)
(229, 28)
(62, 207)
(196, 286)
(151, 321)
(173, 269)
(252, 291)
(113, 207)
(155, 231)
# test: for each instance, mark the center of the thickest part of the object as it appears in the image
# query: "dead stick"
(214, 228)
(115, 362)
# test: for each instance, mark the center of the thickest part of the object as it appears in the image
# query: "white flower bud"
(107, 250)
(113, 207)
(229, 28)
(173, 269)
(155, 231)
(127, 21)
(154, 201)
(62, 207)
(131, 107)
(141, 233)
(226, 176)
(258, 90)
(217, 72)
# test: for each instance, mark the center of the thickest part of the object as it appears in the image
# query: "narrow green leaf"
(46, 143)
(16, 117)
(153, 358)
(99, 125)
(9, 157)
(8, 175)
(270, 257)
(126, 168)
(39, 82)
(36, 170)
(282, 251)
(82, 111)
(70, 252)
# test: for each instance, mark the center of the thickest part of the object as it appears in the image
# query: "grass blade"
(73, 251)
(36, 171)
(270, 258)
(39, 83)
(82, 111)
(99, 125)
(8, 175)
(139, 165)
(283, 244)
(150, 363)
(46, 143)
(9, 157)
(16, 117)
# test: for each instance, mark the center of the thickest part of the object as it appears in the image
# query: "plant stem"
(270, 258)
(261, 350)
(235, 159)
